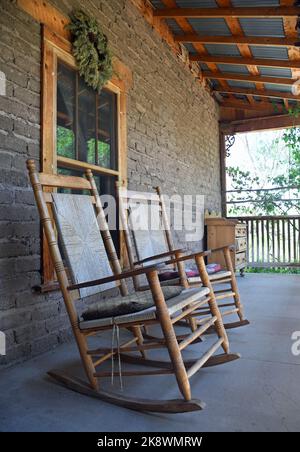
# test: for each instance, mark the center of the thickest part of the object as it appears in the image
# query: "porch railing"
(273, 241)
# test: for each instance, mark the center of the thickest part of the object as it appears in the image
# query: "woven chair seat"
(196, 279)
(138, 306)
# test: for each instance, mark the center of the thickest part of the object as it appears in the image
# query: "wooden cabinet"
(221, 232)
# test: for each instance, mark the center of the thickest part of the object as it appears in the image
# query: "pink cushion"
(172, 274)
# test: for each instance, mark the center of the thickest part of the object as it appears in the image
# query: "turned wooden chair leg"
(137, 332)
(213, 306)
(86, 359)
(234, 285)
(169, 335)
(184, 283)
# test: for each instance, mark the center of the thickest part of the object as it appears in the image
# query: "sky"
(259, 153)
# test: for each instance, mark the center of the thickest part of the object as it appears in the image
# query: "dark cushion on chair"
(127, 305)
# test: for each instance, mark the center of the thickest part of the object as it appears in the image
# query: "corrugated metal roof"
(276, 53)
(233, 68)
(190, 48)
(275, 72)
(210, 27)
(272, 27)
(222, 49)
(157, 4)
(240, 96)
(245, 3)
(283, 88)
(214, 83)
(213, 4)
(263, 27)
(240, 84)
(197, 3)
(176, 29)
(204, 67)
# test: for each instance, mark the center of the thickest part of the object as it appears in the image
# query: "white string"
(116, 332)
(113, 354)
(119, 358)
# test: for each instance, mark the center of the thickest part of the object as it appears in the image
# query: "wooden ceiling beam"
(256, 92)
(187, 28)
(241, 105)
(259, 123)
(239, 61)
(248, 78)
(290, 29)
(199, 13)
(234, 26)
(248, 40)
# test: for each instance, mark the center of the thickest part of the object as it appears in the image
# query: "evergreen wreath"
(90, 49)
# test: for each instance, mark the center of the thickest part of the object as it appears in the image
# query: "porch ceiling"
(248, 50)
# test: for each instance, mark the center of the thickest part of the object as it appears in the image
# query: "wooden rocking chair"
(78, 230)
(151, 246)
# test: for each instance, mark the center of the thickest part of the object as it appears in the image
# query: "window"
(80, 128)
(86, 121)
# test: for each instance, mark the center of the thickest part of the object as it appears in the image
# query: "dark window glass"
(66, 112)
(86, 121)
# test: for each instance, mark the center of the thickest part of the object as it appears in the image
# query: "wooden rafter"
(258, 93)
(187, 28)
(258, 12)
(248, 78)
(238, 61)
(259, 123)
(242, 105)
(290, 29)
(249, 40)
(236, 30)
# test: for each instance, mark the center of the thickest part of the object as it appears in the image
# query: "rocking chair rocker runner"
(78, 225)
(152, 246)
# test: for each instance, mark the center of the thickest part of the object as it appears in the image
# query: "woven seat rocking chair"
(76, 222)
(145, 246)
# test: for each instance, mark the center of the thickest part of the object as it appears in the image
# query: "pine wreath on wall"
(90, 49)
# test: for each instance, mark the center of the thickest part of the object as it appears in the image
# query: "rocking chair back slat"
(81, 241)
(57, 181)
(147, 229)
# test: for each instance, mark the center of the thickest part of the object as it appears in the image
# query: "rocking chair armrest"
(188, 257)
(121, 276)
(223, 248)
(160, 256)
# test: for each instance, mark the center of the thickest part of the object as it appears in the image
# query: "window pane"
(107, 130)
(86, 123)
(66, 82)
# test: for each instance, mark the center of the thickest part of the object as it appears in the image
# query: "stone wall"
(172, 142)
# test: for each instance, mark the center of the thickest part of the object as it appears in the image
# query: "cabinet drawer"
(241, 244)
(241, 230)
(240, 259)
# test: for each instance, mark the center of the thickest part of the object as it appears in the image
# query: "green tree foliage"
(282, 198)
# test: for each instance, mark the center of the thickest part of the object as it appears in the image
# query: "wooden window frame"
(54, 48)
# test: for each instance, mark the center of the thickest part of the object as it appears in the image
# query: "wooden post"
(223, 174)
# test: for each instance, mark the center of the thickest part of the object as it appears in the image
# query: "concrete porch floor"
(259, 392)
